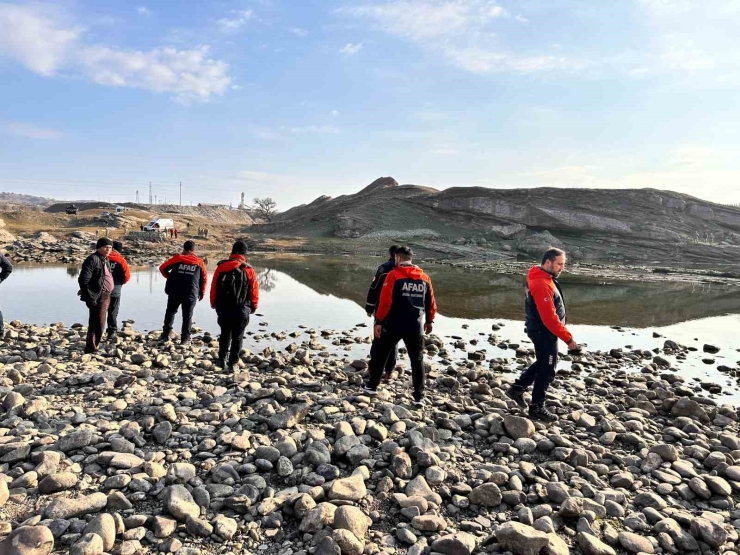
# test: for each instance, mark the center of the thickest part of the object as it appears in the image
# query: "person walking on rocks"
(121, 276)
(371, 304)
(406, 300)
(234, 296)
(96, 285)
(7, 269)
(545, 324)
(187, 278)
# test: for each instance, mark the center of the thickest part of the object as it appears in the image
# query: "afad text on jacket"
(407, 297)
(544, 305)
(186, 276)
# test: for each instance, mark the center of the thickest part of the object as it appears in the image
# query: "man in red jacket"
(405, 312)
(121, 276)
(545, 324)
(234, 296)
(187, 278)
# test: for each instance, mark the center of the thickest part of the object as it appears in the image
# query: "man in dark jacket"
(545, 324)
(406, 311)
(373, 297)
(121, 275)
(186, 277)
(234, 295)
(7, 269)
(96, 285)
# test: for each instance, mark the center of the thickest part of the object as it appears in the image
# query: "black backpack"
(232, 288)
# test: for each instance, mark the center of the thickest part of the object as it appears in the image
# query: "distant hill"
(641, 224)
(19, 199)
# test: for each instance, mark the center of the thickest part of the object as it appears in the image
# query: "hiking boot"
(369, 391)
(517, 395)
(185, 342)
(539, 412)
(165, 337)
(387, 375)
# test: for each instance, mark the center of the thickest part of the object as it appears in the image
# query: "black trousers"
(232, 336)
(384, 346)
(115, 304)
(390, 364)
(542, 372)
(173, 304)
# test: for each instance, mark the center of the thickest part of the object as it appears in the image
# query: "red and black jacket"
(120, 270)
(544, 305)
(407, 297)
(186, 276)
(234, 261)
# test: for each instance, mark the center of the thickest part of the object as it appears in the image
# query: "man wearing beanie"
(234, 295)
(187, 278)
(96, 285)
(121, 275)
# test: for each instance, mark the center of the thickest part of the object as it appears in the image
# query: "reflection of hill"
(476, 294)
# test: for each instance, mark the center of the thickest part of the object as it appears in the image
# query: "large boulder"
(521, 539)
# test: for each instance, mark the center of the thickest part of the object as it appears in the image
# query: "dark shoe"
(387, 375)
(220, 363)
(164, 337)
(539, 412)
(517, 395)
(185, 342)
(369, 391)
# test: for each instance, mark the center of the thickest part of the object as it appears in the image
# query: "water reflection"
(465, 293)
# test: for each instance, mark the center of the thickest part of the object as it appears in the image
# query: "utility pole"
(137, 196)
(150, 192)
(180, 193)
(155, 199)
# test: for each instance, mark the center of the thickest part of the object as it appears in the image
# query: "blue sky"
(299, 98)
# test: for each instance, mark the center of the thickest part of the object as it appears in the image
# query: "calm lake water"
(329, 293)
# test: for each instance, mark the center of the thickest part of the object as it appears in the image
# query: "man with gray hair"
(545, 324)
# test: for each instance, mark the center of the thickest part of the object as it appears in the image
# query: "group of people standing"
(234, 294)
(401, 300)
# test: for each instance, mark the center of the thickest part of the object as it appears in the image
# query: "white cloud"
(188, 74)
(29, 131)
(37, 36)
(520, 18)
(143, 10)
(233, 24)
(334, 113)
(462, 31)
(44, 41)
(297, 31)
(350, 49)
(315, 129)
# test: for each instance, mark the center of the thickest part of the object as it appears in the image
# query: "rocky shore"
(148, 448)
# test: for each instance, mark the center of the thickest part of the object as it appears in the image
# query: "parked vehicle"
(120, 209)
(160, 224)
(72, 209)
(105, 215)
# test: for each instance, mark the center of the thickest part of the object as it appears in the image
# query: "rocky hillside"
(638, 224)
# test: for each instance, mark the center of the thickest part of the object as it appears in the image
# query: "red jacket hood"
(536, 272)
(116, 256)
(409, 271)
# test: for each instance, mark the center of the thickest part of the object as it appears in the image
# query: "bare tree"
(265, 207)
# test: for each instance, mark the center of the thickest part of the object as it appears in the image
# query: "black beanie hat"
(117, 245)
(103, 242)
(240, 247)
